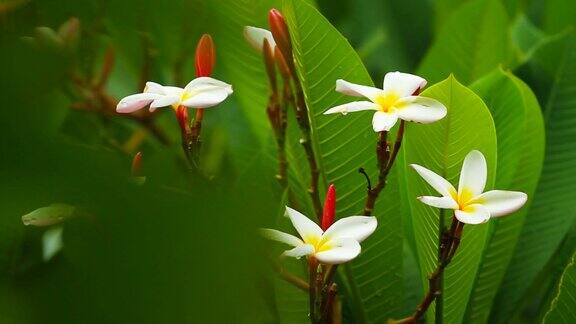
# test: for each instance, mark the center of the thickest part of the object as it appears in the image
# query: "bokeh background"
(180, 248)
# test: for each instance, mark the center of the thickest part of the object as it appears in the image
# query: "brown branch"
(385, 163)
(304, 124)
(448, 246)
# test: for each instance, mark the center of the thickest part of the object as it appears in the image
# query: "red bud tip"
(280, 32)
(329, 207)
(205, 56)
(137, 165)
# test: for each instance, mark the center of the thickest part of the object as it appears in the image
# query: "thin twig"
(449, 244)
(294, 280)
(386, 161)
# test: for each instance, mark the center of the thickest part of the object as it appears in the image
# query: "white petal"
(206, 83)
(173, 91)
(299, 251)
(341, 250)
(352, 107)
(356, 227)
(304, 226)
(420, 109)
(382, 121)
(437, 182)
(474, 214)
(153, 87)
(164, 101)
(439, 202)
(136, 101)
(255, 36)
(207, 98)
(502, 202)
(275, 235)
(473, 174)
(353, 89)
(403, 84)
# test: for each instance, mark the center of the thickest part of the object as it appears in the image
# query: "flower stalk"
(325, 248)
(471, 205)
(205, 60)
(386, 158)
(449, 242)
(281, 35)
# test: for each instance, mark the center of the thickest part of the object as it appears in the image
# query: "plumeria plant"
(200, 93)
(325, 246)
(430, 136)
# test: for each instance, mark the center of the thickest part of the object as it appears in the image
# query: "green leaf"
(526, 38)
(520, 131)
(243, 65)
(470, 44)
(49, 215)
(342, 145)
(441, 147)
(553, 210)
(559, 15)
(563, 308)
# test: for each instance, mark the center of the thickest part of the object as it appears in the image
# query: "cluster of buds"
(276, 50)
(63, 40)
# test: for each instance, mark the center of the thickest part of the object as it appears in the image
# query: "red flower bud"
(329, 207)
(282, 65)
(280, 32)
(182, 116)
(137, 165)
(205, 56)
(270, 66)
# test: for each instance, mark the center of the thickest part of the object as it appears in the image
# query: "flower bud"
(280, 32)
(282, 65)
(137, 165)
(329, 207)
(69, 32)
(205, 56)
(182, 116)
(269, 63)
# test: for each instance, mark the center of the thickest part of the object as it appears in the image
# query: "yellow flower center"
(464, 199)
(320, 244)
(386, 101)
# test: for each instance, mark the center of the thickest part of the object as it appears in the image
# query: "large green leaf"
(563, 308)
(441, 147)
(520, 131)
(470, 44)
(242, 65)
(559, 15)
(342, 145)
(553, 210)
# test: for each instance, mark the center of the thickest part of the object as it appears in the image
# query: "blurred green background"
(182, 248)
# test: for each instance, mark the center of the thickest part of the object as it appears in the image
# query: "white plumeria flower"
(202, 92)
(470, 203)
(340, 243)
(256, 36)
(395, 100)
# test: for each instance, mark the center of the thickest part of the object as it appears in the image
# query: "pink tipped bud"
(280, 32)
(329, 207)
(205, 56)
(137, 165)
